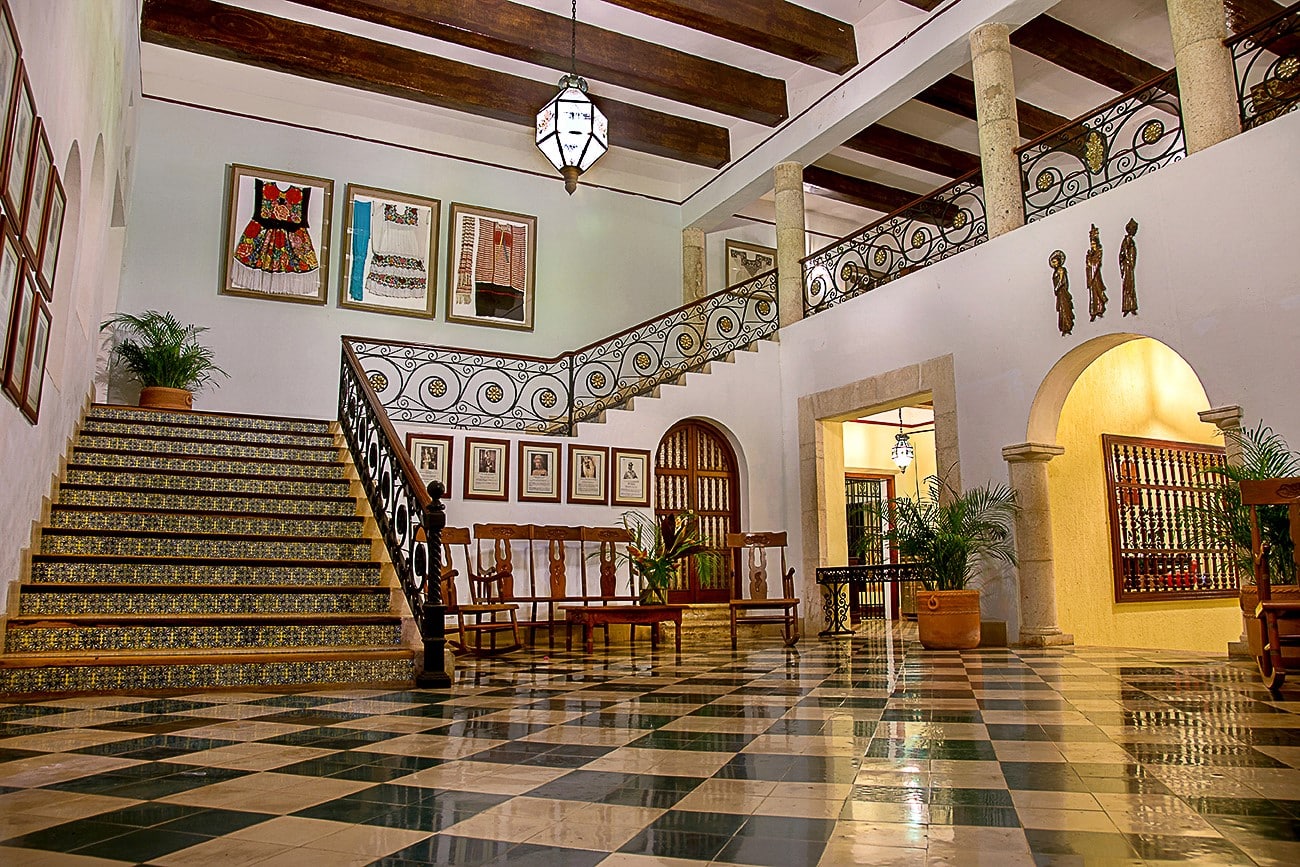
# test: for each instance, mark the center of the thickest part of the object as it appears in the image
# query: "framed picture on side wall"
(18, 146)
(747, 261)
(277, 235)
(8, 61)
(390, 252)
(53, 234)
(492, 268)
(38, 191)
(630, 484)
(10, 272)
(20, 340)
(432, 456)
(539, 472)
(589, 475)
(35, 378)
(487, 469)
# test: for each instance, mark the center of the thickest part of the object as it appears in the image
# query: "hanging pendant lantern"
(572, 133)
(902, 453)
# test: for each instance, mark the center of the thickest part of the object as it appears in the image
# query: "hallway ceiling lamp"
(902, 453)
(572, 132)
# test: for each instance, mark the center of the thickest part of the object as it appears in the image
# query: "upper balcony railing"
(1267, 58)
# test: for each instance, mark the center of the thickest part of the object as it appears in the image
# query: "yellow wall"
(866, 450)
(1140, 388)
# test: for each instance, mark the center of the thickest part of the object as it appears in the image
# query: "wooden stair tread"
(196, 589)
(145, 412)
(195, 492)
(177, 534)
(49, 621)
(146, 559)
(211, 513)
(190, 657)
(326, 441)
(203, 474)
(230, 459)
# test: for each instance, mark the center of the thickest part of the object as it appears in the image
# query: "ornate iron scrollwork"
(1267, 58)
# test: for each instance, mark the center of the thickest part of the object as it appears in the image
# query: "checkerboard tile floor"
(869, 752)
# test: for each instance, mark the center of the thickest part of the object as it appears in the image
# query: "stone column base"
(1051, 639)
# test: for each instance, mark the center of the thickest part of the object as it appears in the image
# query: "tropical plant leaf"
(949, 530)
(158, 350)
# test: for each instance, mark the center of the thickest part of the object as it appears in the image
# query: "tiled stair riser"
(186, 419)
(196, 502)
(74, 678)
(70, 542)
(81, 639)
(207, 465)
(162, 523)
(208, 449)
(164, 573)
(115, 604)
(95, 428)
(201, 482)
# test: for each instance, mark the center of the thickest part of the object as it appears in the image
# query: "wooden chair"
(492, 609)
(759, 607)
(1276, 637)
(605, 542)
(554, 542)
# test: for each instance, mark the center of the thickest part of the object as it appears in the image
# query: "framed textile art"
(589, 475)
(747, 261)
(277, 235)
(53, 234)
(493, 264)
(539, 472)
(20, 337)
(38, 190)
(390, 252)
(18, 146)
(10, 272)
(631, 480)
(34, 381)
(487, 469)
(432, 456)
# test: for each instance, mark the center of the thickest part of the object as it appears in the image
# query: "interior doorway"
(695, 470)
(866, 517)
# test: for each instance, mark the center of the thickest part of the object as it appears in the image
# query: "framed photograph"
(20, 338)
(10, 272)
(493, 263)
(432, 456)
(539, 472)
(487, 469)
(390, 252)
(631, 482)
(18, 146)
(8, 59)
(53, 234)
(35, 378)
(277, 235)
(38, 190)
(589, 474)
(747, 261)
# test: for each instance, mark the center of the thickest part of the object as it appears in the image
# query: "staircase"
(190, 551)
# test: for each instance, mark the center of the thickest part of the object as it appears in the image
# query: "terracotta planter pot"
(1255, 630)
(948, 619)
(157, 397)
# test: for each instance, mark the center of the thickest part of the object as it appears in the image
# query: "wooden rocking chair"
(759, 608)
(1273, 659)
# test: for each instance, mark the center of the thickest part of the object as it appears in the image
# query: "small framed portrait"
(539, 472)
(8, 60)
(487, 469)
(38, 191)
(747, 261)
(34, 381)
(492, 267)
(589, 474)
(18, 145)
(390, 252)
(52, 235)
(630, 485)
(10, 274)
(277, 235)
(20, 337)
(431, 454)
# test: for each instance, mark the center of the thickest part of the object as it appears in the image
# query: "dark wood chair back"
(605, 542)
(554, 542)
(753, 583)
(1271, 492)
(500, 562)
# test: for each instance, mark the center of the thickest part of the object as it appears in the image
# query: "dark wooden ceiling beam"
(1242, 15)
(254, 38)
(774, 26)
(855, 191)
(955, 94)
(901, 147)
(525, 33)
(1083, 54)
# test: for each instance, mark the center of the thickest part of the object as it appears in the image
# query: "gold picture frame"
(431, 454)
(540, 472)
(629, 483)
(487, 469)
(492, 267)
(390, 252)
(588, 475)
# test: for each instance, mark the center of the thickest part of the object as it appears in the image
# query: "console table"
(591, 616)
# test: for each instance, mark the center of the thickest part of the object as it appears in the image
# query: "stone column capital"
(1222, 417)
(1031, 452)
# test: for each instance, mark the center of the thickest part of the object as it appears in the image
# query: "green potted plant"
(948, 530)
(164, 355)
(660, 547)
(1221, 521)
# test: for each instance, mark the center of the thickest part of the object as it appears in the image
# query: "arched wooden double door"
(695, 469)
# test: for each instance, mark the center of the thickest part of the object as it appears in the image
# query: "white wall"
(83, 65)
(604, 260)
(1217, 282)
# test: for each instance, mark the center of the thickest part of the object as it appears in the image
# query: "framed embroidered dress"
(277, 235)
(492, 267)
(390, 252)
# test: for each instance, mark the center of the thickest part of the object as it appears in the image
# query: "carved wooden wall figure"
(1061, 286)
(1092, 269)
(1128, 257)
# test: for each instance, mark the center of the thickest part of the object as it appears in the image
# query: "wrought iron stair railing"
(1267, 59)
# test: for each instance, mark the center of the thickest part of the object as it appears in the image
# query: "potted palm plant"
(948, 531)
(164, 355)
(660, 547)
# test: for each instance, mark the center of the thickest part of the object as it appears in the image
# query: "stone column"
(999, 128)
(790, 240)
(1028, 468)
(693, 274)
(1228, 420)
(1207, 82)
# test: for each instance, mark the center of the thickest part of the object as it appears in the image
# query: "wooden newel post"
(433, 629)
